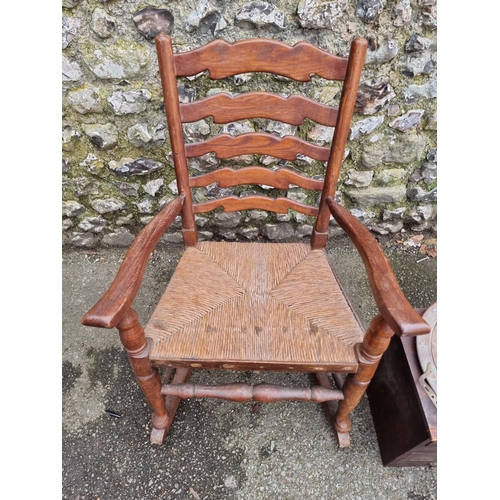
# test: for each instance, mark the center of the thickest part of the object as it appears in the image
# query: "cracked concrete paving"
(215, 449)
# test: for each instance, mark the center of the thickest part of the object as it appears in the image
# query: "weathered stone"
(365, 127)
(196, 131)
(326, 95)
(124, 221)
(205, 235)
(401, 13)
(69, 4)
(200, 220)
(281, 129)
(402, 149)
(320, 134)
(66, 224)
(69, 136)
(70, 28)
(145, 219)
(106, 206)
(299, 196)
(389, 177)
(139, 135)
(359, 179)
(393, 110)
(71, 71)
(72, 208)
(259, 14)
(420, 58)
(172, 238)
(257, 215)
(173, 187)
(386, 52)
(242, 78)
(85, 240)
(237, 128)
(426, 91)
(278, 231)
(102, 136)
(227, 219)
(125, 58)
(418, 44)
(93, 164)
(369, 10)
(432, 156)
(363, 216)
(140, 166)
(131, 101)
(145, 206)
(93, 224)
(431, 122)
(65, 166)
(425, 211)
(206, 19)
(102, 23)
(249, 232)
(418, 194)
(121, 237)
(186, 93)
(408, 120)
(152, 187)
(150, 21)
(373, 95)
(427, 173)
(204, 163)
(85, 100)
(377, 195)
(317, 14)
(86, 187)
(387, 227)
(397, 213)
(126, 188)
(304, 230)
(428, 20)
(304, 161)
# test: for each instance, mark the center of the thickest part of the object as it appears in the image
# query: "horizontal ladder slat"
(233, 203)
(281, 178)
(225, 108)
(223, 59)
(227, 146)
(265, 393)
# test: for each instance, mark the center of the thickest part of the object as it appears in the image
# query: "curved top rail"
(223, 59)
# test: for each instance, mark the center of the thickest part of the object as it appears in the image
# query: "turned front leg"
(137, 347)
(375, 343)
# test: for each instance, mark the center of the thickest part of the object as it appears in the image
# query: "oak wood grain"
(227, 146)
(390, 299)
(223, 59)
(281, 178)
(117, 300)
(233, 203)
(225, 108)
(341, 133)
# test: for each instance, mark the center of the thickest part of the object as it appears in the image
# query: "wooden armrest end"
(116, 301)
(390, 299)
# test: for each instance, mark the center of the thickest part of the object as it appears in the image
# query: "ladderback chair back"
(254, 306)
(223, 60)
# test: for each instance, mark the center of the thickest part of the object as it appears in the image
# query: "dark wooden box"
(404, 416)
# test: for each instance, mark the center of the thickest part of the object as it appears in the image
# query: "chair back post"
(171, 99)
(346, 108)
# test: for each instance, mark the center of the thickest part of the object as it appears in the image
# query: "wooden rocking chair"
(256, 306)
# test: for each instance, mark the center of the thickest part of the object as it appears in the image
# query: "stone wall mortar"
(117, 167)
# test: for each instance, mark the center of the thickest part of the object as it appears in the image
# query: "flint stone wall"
(117, 163)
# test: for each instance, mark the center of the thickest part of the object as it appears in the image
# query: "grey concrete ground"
(215, 449)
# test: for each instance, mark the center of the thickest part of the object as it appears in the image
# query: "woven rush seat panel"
(254, 305)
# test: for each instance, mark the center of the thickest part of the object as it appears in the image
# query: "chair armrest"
(110, 309)
(390, 299)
